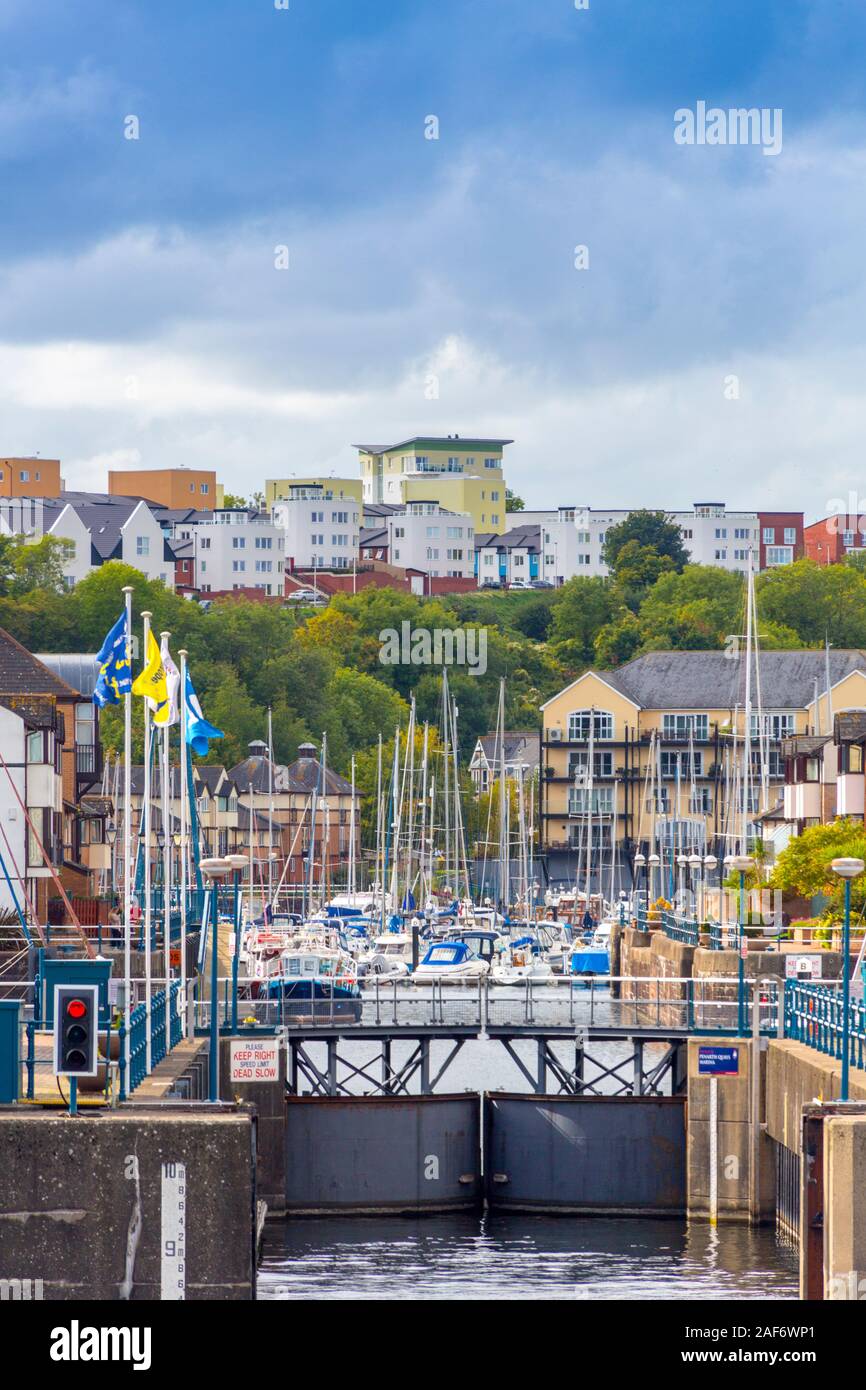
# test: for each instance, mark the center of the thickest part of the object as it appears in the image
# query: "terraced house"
(694, 703)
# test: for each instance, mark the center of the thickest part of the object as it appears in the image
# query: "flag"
(151, 683)
(167, 712)
(115, 667)
(198, 730)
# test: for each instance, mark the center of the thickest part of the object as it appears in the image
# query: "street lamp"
(640, 863)
(743, 863)
(653, 862)
(710, 863)
(237, 863)
(695, 868)
(846, 869)
(214, 870)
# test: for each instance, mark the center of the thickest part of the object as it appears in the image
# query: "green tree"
(803, 867)
(583, 607)
(816, 601)
(656, 530)
(513, 503)
(40, 565)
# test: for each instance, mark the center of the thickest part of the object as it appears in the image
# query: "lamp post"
(846, 869)
(640, 863)
(237, 863)
(653, 862)
(214, 870)
(742, 863)
(710, 862)
(695, 869)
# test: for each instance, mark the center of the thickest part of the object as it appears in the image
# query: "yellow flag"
(152, 682)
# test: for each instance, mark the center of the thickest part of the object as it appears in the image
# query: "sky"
(282, 264)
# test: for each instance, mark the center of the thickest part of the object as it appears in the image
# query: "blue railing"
(814, 1016)
(724, 936)
(681, 929)
(138, 1033)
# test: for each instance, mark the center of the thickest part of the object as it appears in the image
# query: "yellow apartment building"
(333, 489)
(462, 475)
(694, 703)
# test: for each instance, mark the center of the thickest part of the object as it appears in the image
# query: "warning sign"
(802, 967)
(254, 1059)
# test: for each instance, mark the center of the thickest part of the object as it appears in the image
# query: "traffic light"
(76, 1024)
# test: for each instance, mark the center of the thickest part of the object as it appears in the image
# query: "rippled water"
(526, 1257)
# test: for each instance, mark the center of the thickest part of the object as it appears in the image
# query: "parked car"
(305, 596)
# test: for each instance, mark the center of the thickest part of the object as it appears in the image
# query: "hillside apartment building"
(681, 696)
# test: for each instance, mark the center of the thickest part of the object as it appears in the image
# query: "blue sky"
(142, 320)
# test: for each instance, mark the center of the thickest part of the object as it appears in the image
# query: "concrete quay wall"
(84, 1201)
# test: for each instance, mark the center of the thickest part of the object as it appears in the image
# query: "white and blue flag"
(198, 731)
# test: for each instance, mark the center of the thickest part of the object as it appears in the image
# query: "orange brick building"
(34, 477)
(168, 487)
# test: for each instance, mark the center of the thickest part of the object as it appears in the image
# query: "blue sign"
(718, 1061)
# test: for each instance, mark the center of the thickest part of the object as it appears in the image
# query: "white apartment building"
(234, 548)
(427, 537)
(99, 528)
(320, 530)
(711, 534)
(532, 550)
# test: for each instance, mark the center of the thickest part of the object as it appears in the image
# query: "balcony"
(88, 765)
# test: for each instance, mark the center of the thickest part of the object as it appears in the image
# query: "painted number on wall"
(173, 1231)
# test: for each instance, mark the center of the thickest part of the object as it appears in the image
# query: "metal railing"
(681, 929)
(138, 1033)
(570, 1003)
(814, 1016)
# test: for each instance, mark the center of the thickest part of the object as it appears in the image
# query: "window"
(721, 533)
(24, 475)
(142, 545)
(741, 533)
(491, 463)
(780, 555)
(579, 725)
(775, 725)
(721, 554)
(36, 747)
(578, 765)
(769, 535)
(681, 725)
(205, 488)
(701, 801)
(239, 543)
(790, 536)
(582, 801)
(671, 762)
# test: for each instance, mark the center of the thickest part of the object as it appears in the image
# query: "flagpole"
(166, 862)
(127, 849)
(147, 904)
(183, 796)
(270, 809)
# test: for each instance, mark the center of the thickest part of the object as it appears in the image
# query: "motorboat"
(461, 959)
(317, 980)
(387, 957)
(520, 960)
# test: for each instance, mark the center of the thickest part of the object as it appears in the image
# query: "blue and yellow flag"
(115, 667)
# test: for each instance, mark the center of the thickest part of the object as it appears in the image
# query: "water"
(527, 1257)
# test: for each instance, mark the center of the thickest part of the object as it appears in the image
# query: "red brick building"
(781, 538)
(829, 541)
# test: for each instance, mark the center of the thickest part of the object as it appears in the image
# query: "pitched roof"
(713, 680)
(519, 743)
(78, 669)
(22, 673)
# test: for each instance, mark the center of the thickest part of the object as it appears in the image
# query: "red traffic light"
(76, 1008)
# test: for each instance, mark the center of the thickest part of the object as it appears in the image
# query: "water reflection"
(514, 1256)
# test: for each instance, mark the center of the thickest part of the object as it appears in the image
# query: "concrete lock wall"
(845, 1217)
(383, 1154)
(797, 1075)
(731, 1162)
(619, 1155)
(268, 1100)
(91, 1204)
